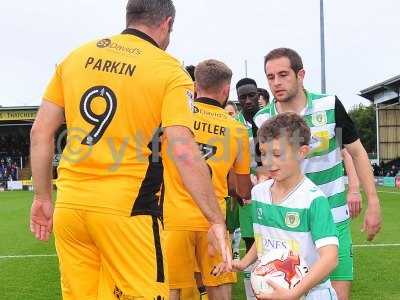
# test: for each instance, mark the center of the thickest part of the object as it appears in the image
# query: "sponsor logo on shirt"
(266, 243)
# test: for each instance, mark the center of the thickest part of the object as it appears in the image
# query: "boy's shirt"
(302, 222)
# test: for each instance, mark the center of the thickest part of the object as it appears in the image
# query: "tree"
(364, 118)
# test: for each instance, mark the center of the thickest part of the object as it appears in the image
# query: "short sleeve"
(177, 106)
(243, 160)
(54, 92)
(323, 229)
(345, 123)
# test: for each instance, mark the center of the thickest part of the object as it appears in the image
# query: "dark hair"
(289, 124)
(245, 81)
(190, 69)
(231, 103)
(264, 93)
(296, 62)
(211, 74)
(149, 12)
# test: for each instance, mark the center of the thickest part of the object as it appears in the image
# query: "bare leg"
(174, 294)
(222, 292)
(343, 289)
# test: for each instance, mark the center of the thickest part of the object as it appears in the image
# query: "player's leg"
(132, 250)
(218, 287)
(78, 256)
(200, 285)
(181, 259)
(221, 292)
(342, 288)
(342, 276)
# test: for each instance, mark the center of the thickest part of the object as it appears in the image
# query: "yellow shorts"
(184, 250)
(109, 257)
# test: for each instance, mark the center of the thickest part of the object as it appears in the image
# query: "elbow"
(183, 155)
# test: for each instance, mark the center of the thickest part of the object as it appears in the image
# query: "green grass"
(376, 268)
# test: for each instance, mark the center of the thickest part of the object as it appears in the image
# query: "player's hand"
(279, 293)
(218, 269)
(372, 220)
(354, 201)
(41, 221)
(237, 265)
(246, 201)
(218, 243)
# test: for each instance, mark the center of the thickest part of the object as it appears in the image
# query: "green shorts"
(344, 269)
(232, 214)
(246, 221)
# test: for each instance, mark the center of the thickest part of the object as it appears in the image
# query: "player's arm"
(48, 120)
(241, 166)
(352, 143)
(193, 171)
(196, 179)
(353, 194)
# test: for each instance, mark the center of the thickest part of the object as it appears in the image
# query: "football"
(281, 266)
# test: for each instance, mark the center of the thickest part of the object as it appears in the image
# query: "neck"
(249, 115)
(283, 187)
(147, 30)
(295, 104)
(203, 94)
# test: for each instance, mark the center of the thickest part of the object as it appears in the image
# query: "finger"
(274, 285)
(43, 231)
(357, 208)
(37, 230)
(351, 209)
(31, 226)
(228, 266)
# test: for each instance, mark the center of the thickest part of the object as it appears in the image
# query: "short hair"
(245, 81)
(149, 12)
(295, 60)
(264, 93)
(211, 74)
(231, 103)
(289, 124)
(190, 69)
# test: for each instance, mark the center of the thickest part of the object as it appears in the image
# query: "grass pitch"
(29, 269)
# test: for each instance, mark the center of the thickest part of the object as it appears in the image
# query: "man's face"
(283, 81)
(248, 97)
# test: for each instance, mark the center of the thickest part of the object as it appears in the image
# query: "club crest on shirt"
(319, 118)
(292, 219)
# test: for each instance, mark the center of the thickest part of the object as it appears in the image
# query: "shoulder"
(308, 192)
(263, 115)
(322, 101)
(261, 188)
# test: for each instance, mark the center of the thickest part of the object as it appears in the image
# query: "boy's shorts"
(184, 250)
(344, 269)
(322, 294)
(108, 257)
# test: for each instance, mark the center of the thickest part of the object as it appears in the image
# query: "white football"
(281, 266)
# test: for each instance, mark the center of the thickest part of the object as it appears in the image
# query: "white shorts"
(321, 294)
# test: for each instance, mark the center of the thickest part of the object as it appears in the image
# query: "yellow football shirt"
(117, 92)
(225, 145)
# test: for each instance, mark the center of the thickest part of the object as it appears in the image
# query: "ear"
(304, 151)
(170, 23)
(301, 74)
(227, 89)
